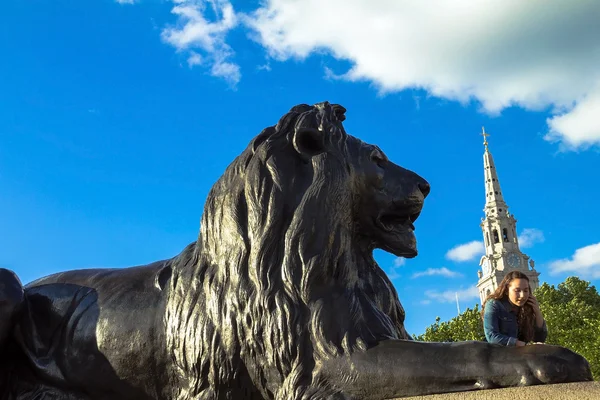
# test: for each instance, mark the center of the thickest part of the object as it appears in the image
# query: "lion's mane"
(276, 281)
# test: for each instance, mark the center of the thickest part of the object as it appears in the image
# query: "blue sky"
(116, 119)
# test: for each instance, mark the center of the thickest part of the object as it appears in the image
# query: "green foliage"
(572, 313)
(466, 326)
(571, 310)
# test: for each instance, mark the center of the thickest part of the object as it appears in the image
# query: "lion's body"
(279, 297)
(92, 312)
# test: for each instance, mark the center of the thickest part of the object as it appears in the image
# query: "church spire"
(485, 135)
(494, 201)
(499, 228)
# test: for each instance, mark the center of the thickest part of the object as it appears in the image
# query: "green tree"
(466, 326)
(571, 310)
(572, 313)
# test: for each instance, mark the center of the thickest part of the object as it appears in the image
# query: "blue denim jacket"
(500, 324)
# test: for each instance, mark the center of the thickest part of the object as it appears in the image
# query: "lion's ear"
(309, 142)
(260, 139)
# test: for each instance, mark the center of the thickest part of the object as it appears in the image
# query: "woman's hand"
(533, 303)
(520, 344)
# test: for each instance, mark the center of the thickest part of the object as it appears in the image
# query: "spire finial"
(485, 135)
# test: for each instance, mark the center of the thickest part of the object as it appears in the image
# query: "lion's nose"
(424, 188)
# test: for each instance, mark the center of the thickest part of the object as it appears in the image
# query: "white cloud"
(329, 75)
(226, 70)
(584, 262)
(125, 1)
(392, 272)
(449, 296)
(466, 252)
(202, 29)
(530, 237)
(578, 128)
(194, 59)
(264, 67)
(417, 100)
(393, 275)
(399, 262)
(499, 52)
(437, 271)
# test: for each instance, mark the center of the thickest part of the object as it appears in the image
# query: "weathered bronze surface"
(279, 298)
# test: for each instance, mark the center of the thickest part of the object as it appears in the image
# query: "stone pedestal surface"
(565, 391)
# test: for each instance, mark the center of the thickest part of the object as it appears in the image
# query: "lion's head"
(283, 273)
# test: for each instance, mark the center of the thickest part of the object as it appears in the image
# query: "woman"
(511, 315)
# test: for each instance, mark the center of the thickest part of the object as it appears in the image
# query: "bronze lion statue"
(278, 298)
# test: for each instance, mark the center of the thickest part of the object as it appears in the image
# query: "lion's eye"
(379, 158)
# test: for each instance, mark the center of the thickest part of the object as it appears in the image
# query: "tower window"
(496, 239)
(505, 235)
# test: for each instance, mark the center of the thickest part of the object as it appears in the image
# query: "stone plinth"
(565, 391)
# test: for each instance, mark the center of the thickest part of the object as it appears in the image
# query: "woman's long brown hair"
(525, 316)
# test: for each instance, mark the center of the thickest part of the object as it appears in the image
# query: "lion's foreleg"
(397, 368)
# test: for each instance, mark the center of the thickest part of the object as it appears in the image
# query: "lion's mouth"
(397, 228)
(391, 221)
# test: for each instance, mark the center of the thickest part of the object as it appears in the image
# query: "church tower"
(502, 253)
